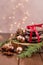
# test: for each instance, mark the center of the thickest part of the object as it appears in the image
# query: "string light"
(27, 13)
(26, 0)
(32, 23)
(19, 4)
(16, 6)
(9, 17)
(15, 23)
(24, 19)
(11, 34)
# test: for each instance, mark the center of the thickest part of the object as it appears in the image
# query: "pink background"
(12, 14)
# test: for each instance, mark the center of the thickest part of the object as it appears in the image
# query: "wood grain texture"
(35, 60)
(41, 54)
(4, 60)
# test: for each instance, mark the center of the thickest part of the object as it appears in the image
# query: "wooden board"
(41, 54)
(4, 60)
(35, 60)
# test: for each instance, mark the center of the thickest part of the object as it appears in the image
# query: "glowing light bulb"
(26, 0)
(15, 23)
(19, 4)
(10, 29)
(32, 23)
(1, 31)
(25, 18)
(27, 13)
(9, 17)
(11, 34)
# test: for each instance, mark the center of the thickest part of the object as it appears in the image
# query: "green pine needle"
(30, 50)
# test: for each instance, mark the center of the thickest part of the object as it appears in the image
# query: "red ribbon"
(33, 29)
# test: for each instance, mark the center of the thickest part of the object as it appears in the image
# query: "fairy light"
(11, 34)
(1, 31)
(27, 13)
(15, 23)
(9, 17)
(16, 6)
(26, 0)
(24, 19)
(32, 23)
(19, 4)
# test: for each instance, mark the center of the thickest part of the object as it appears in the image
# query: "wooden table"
(36, 59)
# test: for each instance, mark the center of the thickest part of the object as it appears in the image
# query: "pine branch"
(30, 50)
